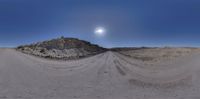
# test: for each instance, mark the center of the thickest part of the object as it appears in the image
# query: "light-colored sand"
(159, 55)
(105, 76)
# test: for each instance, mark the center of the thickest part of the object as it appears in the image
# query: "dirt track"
(104, 76)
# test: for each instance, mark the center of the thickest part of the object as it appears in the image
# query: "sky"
(127, 23)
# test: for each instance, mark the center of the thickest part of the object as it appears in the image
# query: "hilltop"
(62, 48)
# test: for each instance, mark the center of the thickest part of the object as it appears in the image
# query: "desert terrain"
(62, 49)
(153, 73)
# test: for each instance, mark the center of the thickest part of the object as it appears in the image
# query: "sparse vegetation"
(62, 48)
(155, 54)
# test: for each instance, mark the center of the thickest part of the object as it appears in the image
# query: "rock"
(62, 48)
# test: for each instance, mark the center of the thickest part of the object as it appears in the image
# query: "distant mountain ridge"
(62, 48)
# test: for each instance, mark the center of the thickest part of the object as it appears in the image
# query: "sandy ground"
(108, 75)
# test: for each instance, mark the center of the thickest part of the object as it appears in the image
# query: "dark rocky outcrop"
(62, 48)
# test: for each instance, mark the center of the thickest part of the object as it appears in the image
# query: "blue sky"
(127, 22)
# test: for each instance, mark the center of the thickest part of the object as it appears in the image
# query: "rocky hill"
(62, 48)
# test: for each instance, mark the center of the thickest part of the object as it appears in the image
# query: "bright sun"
(100, 31)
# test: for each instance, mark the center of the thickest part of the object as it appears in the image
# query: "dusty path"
(104, 76)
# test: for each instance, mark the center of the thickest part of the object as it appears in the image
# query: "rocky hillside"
(62, 48)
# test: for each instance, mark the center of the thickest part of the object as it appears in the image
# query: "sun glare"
(100, 31)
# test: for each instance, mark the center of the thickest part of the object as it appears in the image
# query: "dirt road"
(105, 76)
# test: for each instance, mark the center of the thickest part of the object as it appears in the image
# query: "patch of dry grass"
(158, 54)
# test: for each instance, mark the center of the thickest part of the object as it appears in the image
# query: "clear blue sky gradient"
(128, 22)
